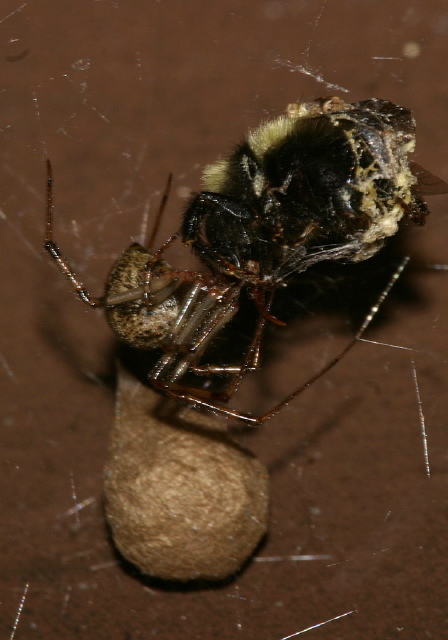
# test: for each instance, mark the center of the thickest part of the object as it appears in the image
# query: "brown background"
(119, 93)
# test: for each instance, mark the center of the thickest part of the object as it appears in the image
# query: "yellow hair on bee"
(260, 140)
(214, 175)
(269, 134)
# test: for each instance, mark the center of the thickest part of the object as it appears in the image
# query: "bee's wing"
(427, 183)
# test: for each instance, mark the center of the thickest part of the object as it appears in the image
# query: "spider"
(327, 180)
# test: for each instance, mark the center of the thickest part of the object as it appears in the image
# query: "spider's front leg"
(55, 252)
(136, 271)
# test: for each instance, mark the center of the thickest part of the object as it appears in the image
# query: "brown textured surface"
(118, 94)
(183, 501)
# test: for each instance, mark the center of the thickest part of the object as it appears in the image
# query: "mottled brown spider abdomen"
(141, 323)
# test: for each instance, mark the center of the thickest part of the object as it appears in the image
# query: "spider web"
(119, 94)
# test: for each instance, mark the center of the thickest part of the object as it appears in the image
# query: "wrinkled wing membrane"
(427, 183)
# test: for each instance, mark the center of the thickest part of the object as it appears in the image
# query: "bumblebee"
(327, 180)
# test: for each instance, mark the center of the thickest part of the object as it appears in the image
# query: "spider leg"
(236, 373)
(160, 212)
(252, 358)
(55, 252)
(206, 310)
(202, 315)
(186, 395)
